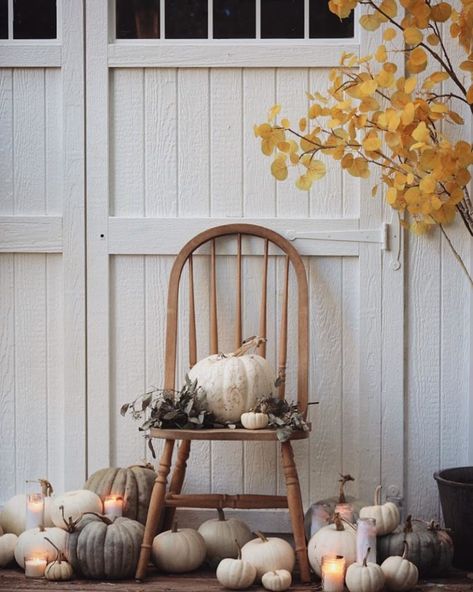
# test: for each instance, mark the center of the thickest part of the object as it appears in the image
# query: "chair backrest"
(292, 259)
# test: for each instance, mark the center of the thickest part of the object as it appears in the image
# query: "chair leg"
(294, 502)
(177, 480)
(156, 506)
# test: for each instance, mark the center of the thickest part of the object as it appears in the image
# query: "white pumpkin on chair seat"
(234, 382)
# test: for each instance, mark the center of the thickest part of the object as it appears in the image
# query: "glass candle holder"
(113, 506)
(345, 511)
(333, 573)
(366, 538)
(319, 517)
(34, 510)
(35, 565)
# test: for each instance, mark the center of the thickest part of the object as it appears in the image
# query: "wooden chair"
(163, 505)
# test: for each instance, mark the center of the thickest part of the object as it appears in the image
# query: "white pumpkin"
(13, 514)
(178, 551)
(334, 539)
(278, 580)
(236, 574)
(365, 576)
(268, 554)
(58, 570)
(254, 421)
(222, 536)
(386, 515)
(34, 541)
(67, 508)
(234, 382)
(400, 573)
(7, 548)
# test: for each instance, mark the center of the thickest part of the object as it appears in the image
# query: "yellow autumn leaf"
(285, 123)
(370, 22)
(412, 36)
(279, 168)
(284, 146)
(347, 161)
(267, 147)
(441, 12)
(421, 133)
(275, 109)
(316, 169)
(304, 183)
(371, 143)
(374, 190)
(380, 54)
(389, 34)
(410, 84)
(302, 124)
(456, 118)
(419, 227)
(467, 65)
(433, 39)
(359, 168)
(368, 87)
(418, 56)
(428, 184)
(391, 195)
(389, 7)
(469, 95)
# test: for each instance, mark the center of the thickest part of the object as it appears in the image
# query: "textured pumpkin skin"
(178, 551)
(33, 541)
(133, 484)
(233, 384)
(267, 555)
(254, 421)
(277, 581)
(431, 550)
(75, 503)
(363, 577)
(328, 541)
(59, 571)
(7, 548)
(235, 574)
(386, 515)
(400, 574)
(97, 549)
(220, 535)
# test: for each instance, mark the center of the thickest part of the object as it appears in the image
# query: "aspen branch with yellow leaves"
(376, 114)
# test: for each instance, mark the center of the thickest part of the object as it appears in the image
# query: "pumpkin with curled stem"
(365, 576)
(58, 570)
(387, 515)
(178, 550)
(268, 554)
(224, 536)
(400, 574)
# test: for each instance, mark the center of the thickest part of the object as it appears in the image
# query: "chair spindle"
(213, 301)
(192, 327)
(263, 306)
(283, 334)
(238, 336)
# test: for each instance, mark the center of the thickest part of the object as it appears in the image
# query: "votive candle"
(35, 566)
(113, 506)
(345, 511)
(333, 573)
(366, 538)
(34, 510)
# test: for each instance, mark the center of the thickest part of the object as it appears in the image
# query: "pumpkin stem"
(142, 465)
(341, 491)
(60, 554)
(239, 549)
(221, 515)
(406, 550)
(174, 526)
(263, 537)
(338, 521)
(377, 496)
(70, 523)
(46, 487)
(365, 558)
(248, 344)
(408, 525)
(105, 519)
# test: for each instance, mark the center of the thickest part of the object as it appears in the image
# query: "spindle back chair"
(163, 505)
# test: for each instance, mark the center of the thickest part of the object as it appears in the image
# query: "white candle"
(34, 510)
(333, 573)
(366, 538)
(35, 567)
(345, 511)
(113, 506)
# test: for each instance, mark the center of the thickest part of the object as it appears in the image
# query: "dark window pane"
(325, 24)
(137, 19)
(3, 19)
(282, 19)
(186, 19)
(234, 19)
(34, 20)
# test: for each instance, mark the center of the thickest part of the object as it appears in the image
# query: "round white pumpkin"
(386, 515)
(67, 508)
(365, 576)
(254, 421)
(268, 554)
(236, 574)
(7, 548)
(400, 573)
(34, 541)
(59, 571)
(178, 551)
(222, 536)
(13, 514)
(234, 382)
(334, 539)
(277, 581)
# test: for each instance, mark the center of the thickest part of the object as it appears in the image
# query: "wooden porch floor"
(199, 581)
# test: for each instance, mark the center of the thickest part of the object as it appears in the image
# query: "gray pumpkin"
(101, 548)
(133, 484)
(430, 547)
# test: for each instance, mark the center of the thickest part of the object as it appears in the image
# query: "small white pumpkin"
(400, 573)
(222, 536)
(34, 541)
(236, 574)
(254, 421)
(386, 515)
(268, 554)
(13, 514)
(365, 576)
(178, 551)
(234, 382)
(67, 508)
(7, 548)
(58, 570)
(278, 580)
(334, 539)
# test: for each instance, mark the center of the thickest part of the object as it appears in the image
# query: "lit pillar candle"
(113, 506)
(34, 510)
(366, 538)
(345, 511)
(333, 573)
(35, 566)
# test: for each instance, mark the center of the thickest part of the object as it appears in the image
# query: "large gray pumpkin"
(102, 548)
(429, 547)
(133, 484)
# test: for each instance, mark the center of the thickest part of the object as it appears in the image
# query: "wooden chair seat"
(239, 434)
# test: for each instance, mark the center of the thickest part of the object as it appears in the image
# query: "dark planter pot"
(456, 496)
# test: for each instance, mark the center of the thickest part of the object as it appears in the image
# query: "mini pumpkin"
(13, 513)
(236, 574)
(400, 574)
(222, 536)
(365, 576)
(7, 548)
(254, 421)
(178, 550)
(34, 541)
(68, 508)
(268, 554)
(278, 580)
(58, 570)
(386, 515)
(334, 539)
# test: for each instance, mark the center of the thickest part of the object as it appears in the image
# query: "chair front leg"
(177, 480)
(156, 506)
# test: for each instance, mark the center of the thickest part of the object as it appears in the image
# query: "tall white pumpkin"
(234, 382)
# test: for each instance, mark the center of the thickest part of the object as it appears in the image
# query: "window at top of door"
(229, 19)
(29, 19)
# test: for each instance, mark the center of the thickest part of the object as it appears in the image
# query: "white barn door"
(170, 151)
